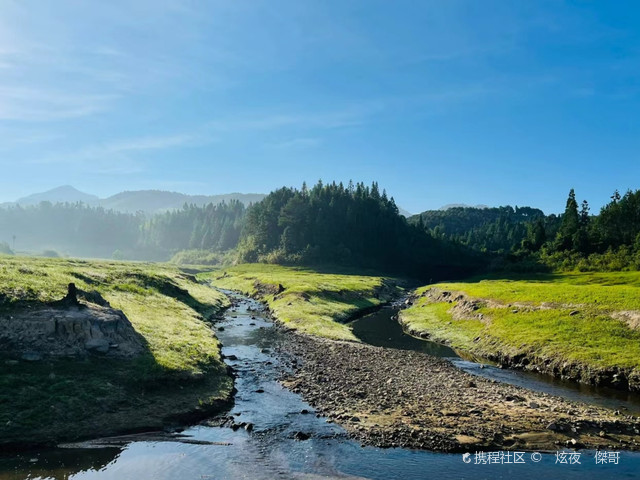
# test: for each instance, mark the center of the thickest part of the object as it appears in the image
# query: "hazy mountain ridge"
(62, 194)
(132, 201)
(148, 201)
(154, 201)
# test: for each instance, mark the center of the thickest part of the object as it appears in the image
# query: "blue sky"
(477, 102)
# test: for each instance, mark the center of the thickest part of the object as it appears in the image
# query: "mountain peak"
(61, 194)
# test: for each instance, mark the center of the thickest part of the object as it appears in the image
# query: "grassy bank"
(312, 302)
(579, 325)
(180, 375)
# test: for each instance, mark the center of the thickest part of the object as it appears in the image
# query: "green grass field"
(563, 318)
(313, 302)
(65, 399)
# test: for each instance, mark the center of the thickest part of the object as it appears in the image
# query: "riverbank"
(392, 398)
(52, 393)
(577, 326)
(309, 301)
(386, 397)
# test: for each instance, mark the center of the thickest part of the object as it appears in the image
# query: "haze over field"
(147, 201)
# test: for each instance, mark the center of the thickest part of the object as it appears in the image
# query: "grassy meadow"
(180, 374)
(312, 302)
(561, 321)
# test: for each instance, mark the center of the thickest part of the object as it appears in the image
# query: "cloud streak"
(121, 151)
(28, 104)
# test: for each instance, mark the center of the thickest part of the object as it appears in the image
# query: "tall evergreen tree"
(569, 224)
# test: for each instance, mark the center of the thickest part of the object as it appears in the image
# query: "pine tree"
(584, 213)
(569, 225)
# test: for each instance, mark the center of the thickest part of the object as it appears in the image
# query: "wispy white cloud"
(41, 105)
(122, 151)
(12, 137)
(153, 143)
(55, 69)
(346, 116)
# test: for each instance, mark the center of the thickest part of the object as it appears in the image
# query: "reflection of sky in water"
(269, 452)
(288, 459)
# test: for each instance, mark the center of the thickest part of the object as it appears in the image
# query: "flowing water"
(270, 450)
(382, 329)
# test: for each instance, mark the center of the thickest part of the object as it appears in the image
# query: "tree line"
(526, 237)
(607, 241)
(496, 230)
(353, 224)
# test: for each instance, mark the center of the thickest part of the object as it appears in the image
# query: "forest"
(526, 238)
(497, 229)
(354, 225)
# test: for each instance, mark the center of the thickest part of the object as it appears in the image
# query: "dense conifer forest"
(497, 229)
(354, 225)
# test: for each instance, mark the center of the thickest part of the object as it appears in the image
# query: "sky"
(476, 102)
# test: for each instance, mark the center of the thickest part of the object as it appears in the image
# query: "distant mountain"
(63, 194)
(461, 205)
(404, 212)
(154, 201)
(148, 201)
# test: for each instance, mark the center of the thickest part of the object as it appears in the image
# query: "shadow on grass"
(363, 306)
(161, 284)
(431, 274)
(540, 277)
(70, 399)
(67, 399)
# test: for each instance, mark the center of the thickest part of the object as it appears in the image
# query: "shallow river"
(270, 451)
(381, 329)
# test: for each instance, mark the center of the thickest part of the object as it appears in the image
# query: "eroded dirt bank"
(387, 398)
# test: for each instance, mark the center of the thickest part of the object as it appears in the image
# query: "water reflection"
(58, 464)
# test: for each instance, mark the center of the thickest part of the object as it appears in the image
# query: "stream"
(383, 330)
(270, 450)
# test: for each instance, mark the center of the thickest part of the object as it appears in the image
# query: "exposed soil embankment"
(68, 331)
(390, 398)
(522, 357)
(78, 367)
